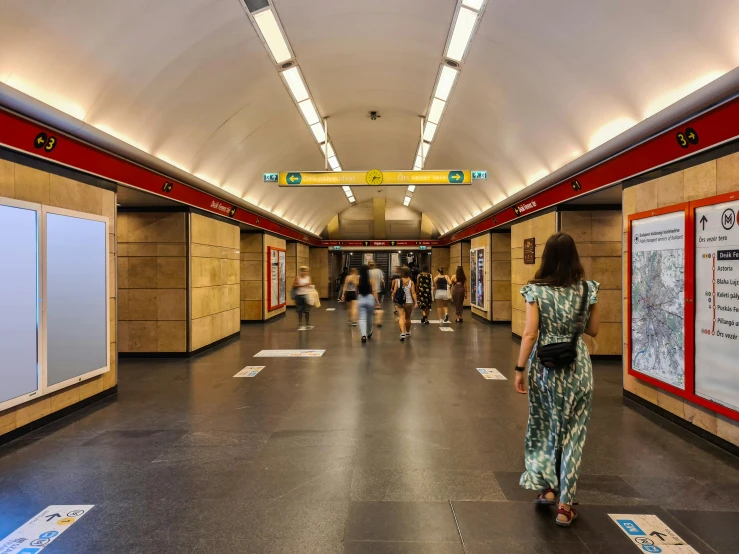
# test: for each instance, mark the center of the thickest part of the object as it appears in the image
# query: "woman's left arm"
(528, 340)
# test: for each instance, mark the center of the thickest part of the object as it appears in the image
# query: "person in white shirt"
(378, 280)
(302, 286)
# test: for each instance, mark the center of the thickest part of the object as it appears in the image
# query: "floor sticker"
(650, 534)
(447, 329)
(289, 354)
(330, 309)
(437, 321)
(491, 373)
(250, 371)
(40, 531)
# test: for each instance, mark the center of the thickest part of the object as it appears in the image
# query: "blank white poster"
(76, 297)
(18, 302)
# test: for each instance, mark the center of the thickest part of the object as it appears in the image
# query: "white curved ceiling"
(190, 82)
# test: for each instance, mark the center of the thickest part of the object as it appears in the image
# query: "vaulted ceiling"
(190, 81)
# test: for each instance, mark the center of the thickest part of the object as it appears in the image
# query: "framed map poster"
(478, 294)
(657, 306)
(276, 274)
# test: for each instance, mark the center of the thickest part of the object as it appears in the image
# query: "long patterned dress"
(559, 400)
(424, 291)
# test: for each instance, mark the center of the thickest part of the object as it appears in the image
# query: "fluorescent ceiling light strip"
(352, 199)
(418, 164)
(330, 150)
(276, 42)
(461, 34)
(309, 112)
(426, 148)
(407, 201)
(347, 188)
(412, 188)
(435, 111)
(429, 132)
(444, 85)
(474, 4)
(333, 162)
(295, 84)
(318, 132)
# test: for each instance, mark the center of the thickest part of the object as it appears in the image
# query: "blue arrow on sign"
(294, 178)
(456, 176)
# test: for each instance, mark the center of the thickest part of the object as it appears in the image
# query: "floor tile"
(401, 522)
(718, 529)
(417, 485)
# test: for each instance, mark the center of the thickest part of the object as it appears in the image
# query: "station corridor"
(387, 447)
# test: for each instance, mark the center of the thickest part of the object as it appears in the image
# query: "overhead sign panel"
(375, 177)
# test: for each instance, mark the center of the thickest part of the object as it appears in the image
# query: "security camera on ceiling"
(374, 115)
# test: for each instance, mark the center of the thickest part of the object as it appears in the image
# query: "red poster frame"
(270, 306)
(689, 314)
(683, 207)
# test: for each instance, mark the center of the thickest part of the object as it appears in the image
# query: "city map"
(658, 297)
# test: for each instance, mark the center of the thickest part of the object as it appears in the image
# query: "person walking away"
(560, 307)
(367, 301)
(342, 279)
(459, 292)
(349, 295)
(404, 298)
(423, 288)
(441, 294)
(378, 279)
(302, 286)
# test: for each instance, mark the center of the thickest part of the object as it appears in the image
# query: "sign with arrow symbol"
(703, 222)
(650, 534)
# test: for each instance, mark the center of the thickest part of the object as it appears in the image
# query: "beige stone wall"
(252, 289)
(459, 254)
(440, 258)
(701, 181)
(598, 238)
(32, 185)
(274, 242)
(152, 282)
(297, 255)
(483, 241)
(319, 270)
(501, 276)
(215, 280)
(541, 228)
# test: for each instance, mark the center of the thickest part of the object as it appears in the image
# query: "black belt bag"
(561, 354)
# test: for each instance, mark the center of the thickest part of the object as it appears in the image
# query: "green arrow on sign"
(479, 175)
(455, 176)
(271, 177)
(294, 178)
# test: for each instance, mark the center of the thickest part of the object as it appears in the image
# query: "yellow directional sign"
(375, 177)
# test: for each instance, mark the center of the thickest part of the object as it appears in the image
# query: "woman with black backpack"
(404, 298)
(560, 307)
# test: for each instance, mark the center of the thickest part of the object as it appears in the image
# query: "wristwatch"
(519, 368)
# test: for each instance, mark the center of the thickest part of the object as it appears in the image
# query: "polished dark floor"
(381, 448)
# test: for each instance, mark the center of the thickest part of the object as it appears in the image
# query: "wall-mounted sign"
(271, 177)
(479, 175)
(337, 247)
(374, 177)
(478, 294)
(529, 251)
(276, 277)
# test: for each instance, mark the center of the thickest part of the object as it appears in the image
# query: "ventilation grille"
(256, 5)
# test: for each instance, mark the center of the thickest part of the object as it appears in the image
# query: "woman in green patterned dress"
(559, 399)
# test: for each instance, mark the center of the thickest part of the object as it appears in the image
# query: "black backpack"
(399, 296)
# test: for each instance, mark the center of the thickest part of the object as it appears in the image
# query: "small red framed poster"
(276, 276)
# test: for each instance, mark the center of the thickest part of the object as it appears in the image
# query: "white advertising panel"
(75, 300)
(717, 303)
(19, 329)
(658, 297)
(283, 277)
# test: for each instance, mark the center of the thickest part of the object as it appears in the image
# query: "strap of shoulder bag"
(580, 327)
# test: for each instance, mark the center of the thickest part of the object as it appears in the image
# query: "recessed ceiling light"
(435, 111)
(474, 4)
(309, 112)
(461, 34)
(417, 167)
(333, 162)
(318, 132)
(429, 131)
(273, 36)
(407, 201)
(352, 199)
(295, 83)
(347, 188)
(447, 76)
(412, 188)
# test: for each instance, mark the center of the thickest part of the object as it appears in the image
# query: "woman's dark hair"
(560, 263)
(364, 276)
(440, 270)
(405, 271)
(461, 277)
(424, 269)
